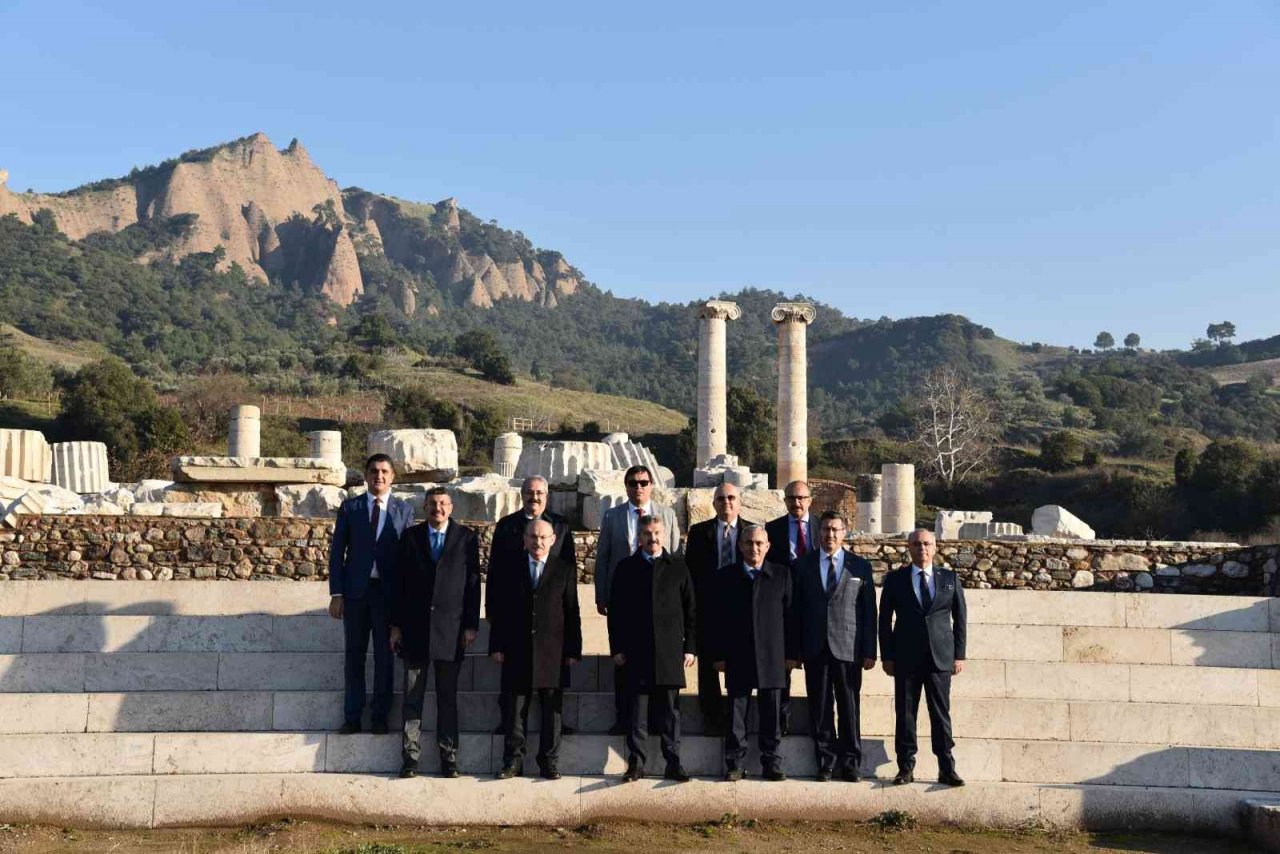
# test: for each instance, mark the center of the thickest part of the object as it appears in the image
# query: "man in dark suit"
(922, 645)
(791, 537)
(619, 539)
(362, 558)
(833, 633)
(651, 636)
(711, 545)
(749, 644)
(508, 535)
(435, 615)
(534, 632)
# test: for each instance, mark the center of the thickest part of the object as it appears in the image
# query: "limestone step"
(285, 598)
(261, 633)
(978, 760)
(1026, 680)
(223, 800)
(1246, 727)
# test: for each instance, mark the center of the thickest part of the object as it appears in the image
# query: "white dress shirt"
(633, 528)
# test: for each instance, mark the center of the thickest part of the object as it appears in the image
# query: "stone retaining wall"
(162, 548)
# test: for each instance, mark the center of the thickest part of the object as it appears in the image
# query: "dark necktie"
(373, 519)
(801, 547)
(726, 548)
(926, 601)
(831, 574)
(752, 574)
(437, 545)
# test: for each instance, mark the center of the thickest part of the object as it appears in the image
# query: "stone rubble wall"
(164, 547)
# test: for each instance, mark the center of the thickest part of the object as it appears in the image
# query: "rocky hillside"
(279, 217)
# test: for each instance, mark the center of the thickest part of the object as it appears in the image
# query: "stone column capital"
(803, 312)
(718, 309)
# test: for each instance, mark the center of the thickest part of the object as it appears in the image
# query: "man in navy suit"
(362, 564)
(922, 645)
(792, 536)
(833, 632)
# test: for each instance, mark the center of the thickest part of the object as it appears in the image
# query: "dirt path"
(728, 834)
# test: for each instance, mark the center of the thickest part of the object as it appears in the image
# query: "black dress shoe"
(823, 775)
(635, 771)
(565, 729)
(733, 775)
(906, 775)
(550, 772)
(774, 774)
(851, 774)
(618, 729)
(950, 778)
(450, 770)
(408, 770)
(676, 773)
(510, 770)
(349, 728)
(379, 728)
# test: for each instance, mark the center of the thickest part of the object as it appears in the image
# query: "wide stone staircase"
(178, 703)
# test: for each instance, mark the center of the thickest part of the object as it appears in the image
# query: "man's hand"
(469, 637)
(602, 610)
(396, 638)
(570, 662)
(690, 659)
(335, 607)
(620, 659)
(868, 663)
(497, 657)
(959, 667)
(888, 666)
(719, 665)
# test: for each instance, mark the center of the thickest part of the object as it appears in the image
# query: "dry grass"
(69, 354)
(1232, 374)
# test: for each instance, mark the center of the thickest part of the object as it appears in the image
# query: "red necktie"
(801, 548)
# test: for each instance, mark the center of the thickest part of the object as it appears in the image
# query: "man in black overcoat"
(508, 535)
(792, 536)
(534, 632)
(833, 633)
(711, 545)
(749, 642)
(922, 645)
(435, 615)
(651, 637)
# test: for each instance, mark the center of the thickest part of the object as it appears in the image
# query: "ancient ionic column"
(326, 445)
(506, 453)
(712, 377)
(793, 391)
(245, 438)
(898, 498)
(80, 466)
(867, 513)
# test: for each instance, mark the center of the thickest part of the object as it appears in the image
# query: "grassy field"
(69, 354)
(538, 402)
(1231, 374)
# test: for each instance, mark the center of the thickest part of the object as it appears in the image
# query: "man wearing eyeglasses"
(619, 539)
(791, 537)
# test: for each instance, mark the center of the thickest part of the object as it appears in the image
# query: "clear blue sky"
(1048, 169)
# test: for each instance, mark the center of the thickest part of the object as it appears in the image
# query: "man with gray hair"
(712, 546)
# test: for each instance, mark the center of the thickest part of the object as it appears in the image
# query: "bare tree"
(954, 426)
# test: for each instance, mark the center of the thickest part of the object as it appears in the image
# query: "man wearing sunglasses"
(619, 539)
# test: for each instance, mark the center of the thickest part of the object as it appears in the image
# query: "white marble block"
(80, 466)
(25, 454)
